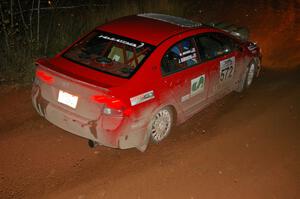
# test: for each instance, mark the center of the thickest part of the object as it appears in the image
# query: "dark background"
(35, 28)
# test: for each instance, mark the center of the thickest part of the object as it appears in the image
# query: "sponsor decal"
(121, 41)
(227, 69)
(193, 50)
(187, 58)
(188, 55)
(141, 98)
(116, 58)
(185, 97)
(197, 85)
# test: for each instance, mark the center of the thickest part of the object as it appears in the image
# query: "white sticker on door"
(227, 69)
(197, 84)
(185, 97)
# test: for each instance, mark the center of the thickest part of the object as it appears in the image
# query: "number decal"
(227, 69)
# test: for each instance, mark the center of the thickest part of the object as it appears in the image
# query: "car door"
(185, 76)
(230, 63)
(220, 53)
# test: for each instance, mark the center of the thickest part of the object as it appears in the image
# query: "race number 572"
(227, 69)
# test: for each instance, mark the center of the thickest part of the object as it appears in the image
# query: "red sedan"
(131, 80)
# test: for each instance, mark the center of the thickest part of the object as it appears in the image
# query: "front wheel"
(248, 77)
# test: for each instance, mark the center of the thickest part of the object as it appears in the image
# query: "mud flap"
(38, 102)
(144, 146)
(138, 139)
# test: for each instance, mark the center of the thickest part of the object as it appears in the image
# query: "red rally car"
(131, 80)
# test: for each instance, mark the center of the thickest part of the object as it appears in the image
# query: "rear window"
(109, 53)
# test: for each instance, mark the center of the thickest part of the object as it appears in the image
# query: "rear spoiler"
(239, 32)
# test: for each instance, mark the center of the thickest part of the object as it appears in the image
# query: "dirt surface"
(243, 146)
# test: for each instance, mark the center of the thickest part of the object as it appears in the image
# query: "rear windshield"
(109, 53)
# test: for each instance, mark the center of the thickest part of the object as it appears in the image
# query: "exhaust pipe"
(92, 143)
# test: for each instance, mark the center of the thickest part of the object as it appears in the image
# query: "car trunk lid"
(68, 90)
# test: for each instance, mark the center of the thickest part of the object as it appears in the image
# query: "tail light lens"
(44, 76)
(112, 106)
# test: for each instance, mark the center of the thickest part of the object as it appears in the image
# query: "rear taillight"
(44, 76)
(112, 106)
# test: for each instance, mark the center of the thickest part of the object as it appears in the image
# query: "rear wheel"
(161, 124)
(159, 127)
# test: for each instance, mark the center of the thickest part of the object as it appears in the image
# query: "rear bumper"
(116, 132)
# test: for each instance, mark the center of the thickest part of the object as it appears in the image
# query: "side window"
(228, 43)
(213, 45)
(209, 47)
(180, 56)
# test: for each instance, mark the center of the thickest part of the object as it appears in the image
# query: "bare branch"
(49, 26)
(11, 14)
(3, 26)
(30, 21)
(38, 23)
(22, 15)
(61, 7)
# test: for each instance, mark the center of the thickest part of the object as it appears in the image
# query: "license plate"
(67, 99)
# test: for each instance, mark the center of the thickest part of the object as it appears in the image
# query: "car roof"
(179, 21)
(151, 28)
